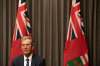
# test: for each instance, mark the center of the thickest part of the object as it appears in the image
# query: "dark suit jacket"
(36, 61)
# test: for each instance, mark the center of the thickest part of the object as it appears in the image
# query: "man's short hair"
(26, 39)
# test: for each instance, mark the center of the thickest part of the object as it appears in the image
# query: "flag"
(22, 28)
(75, 51)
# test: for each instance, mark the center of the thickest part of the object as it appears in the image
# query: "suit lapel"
(33, 63)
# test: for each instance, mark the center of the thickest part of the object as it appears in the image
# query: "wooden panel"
(98, 34)
(1, 33)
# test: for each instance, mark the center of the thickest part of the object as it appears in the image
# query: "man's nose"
(25, 46)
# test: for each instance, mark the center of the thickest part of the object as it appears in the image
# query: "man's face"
(26, 47)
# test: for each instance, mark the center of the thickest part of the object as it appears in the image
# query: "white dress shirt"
(30, 60)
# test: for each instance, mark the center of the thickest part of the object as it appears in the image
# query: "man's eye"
(28, 45)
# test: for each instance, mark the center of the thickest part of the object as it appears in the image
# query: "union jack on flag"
(76, 51)
(22, 28)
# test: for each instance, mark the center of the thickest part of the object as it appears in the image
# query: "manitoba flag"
(22, 28)
(75, 51)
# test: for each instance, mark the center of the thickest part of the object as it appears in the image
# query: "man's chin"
(27, 54)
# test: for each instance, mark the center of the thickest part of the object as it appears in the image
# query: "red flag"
(75, 46)
(22, 28)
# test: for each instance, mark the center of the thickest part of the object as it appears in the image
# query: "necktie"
(27, 60)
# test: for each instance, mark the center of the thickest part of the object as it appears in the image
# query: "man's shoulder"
(38, 60)
(18, 58)
(36, 57)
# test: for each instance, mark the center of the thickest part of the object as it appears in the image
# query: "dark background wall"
(0, 32)
(49, 26)
(98, 33)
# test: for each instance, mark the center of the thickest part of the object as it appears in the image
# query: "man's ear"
(33, 48)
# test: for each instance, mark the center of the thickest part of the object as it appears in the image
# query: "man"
(28, 58)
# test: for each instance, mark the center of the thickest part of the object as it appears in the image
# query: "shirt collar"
(30, 57)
